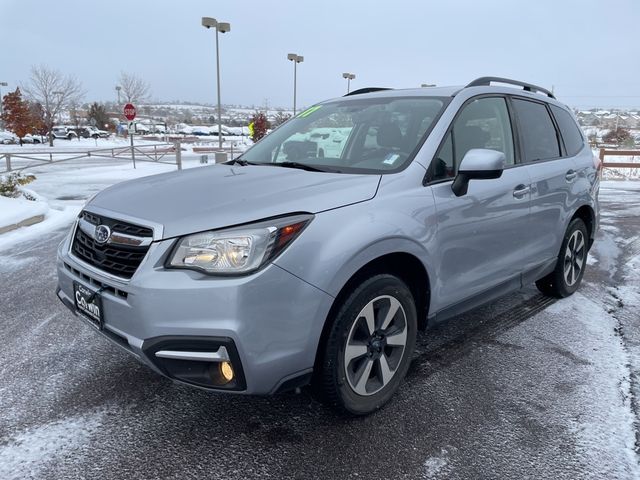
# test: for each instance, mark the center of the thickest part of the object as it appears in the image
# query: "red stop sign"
(129, 111)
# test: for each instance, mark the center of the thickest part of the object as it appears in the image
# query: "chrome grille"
(117, 259)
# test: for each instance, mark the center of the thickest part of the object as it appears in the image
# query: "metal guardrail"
(147, 153)
(156, 153)
(619, 153)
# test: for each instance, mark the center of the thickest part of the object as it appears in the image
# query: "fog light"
(226, 370)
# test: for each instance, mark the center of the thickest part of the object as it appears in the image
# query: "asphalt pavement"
(526, 387)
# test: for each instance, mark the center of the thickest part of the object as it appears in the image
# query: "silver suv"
(317, 255)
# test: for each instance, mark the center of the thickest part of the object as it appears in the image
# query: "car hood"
(220, 196)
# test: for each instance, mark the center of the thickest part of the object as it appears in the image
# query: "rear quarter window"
(571, 134)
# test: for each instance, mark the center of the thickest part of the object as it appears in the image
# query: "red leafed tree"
(16, 114)
(39, 125)
(260, 126)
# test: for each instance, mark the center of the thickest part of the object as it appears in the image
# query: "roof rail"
(366, 90)
(528, 87)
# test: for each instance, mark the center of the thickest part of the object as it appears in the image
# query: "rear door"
(552, 174)
(482, 236)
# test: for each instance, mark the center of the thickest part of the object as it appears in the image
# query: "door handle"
(521, 190)
(571, 175)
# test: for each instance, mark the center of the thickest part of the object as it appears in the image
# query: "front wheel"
(572, 260)
(370, 345)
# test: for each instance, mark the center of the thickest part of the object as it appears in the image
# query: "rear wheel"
(572, 260)
(369, 346)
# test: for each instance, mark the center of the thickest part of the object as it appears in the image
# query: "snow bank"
(54, 218)
(16, 210)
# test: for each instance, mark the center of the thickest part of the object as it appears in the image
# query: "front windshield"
(373, 135)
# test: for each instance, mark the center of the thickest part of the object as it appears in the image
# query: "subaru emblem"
(102, 234)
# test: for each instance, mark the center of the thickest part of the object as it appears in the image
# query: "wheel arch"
(588, 216)
(405, 266)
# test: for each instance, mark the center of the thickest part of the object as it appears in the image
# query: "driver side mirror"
(478, 164)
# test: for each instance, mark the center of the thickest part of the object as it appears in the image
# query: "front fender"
(340, 242)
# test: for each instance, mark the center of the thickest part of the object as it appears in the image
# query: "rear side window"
(538, 134)
(573, 140)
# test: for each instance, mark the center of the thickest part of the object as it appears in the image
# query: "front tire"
(572, 260)
(370, 346)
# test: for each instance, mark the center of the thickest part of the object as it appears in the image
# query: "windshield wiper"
(240, 161)
(302, 166)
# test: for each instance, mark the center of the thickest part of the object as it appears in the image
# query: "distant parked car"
(141, 128)
(28, 138)
(62, 131)
(201, 131)
(91, 132)
(7, 138)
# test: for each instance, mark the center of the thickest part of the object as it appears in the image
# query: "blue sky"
(586, 49)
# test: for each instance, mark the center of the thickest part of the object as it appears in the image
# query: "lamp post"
(296, 59)
(208, 22)
(2, 84)
(349, 77)
(118, 88)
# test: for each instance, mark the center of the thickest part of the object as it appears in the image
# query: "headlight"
(237, 250)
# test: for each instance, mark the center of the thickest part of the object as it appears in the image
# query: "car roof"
(402, 92)
(478, 86)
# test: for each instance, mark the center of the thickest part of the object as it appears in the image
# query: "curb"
(24, 223)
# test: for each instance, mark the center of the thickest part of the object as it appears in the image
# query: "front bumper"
(270, 321)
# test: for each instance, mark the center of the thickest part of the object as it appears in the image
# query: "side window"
(571, 134)
(538, 134)
(442, 166)
(483, 123)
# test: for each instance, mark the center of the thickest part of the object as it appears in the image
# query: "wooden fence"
(619, 153)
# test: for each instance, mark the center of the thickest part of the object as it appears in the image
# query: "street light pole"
(349, 77)
(221, 27)
(118, 88)
(2, 84)
(295, 58)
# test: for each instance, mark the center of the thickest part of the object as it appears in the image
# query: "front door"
(483, 235)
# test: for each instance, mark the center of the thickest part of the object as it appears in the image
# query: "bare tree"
(54, 91)
(134, 89)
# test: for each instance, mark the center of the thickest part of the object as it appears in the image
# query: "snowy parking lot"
(525, 387)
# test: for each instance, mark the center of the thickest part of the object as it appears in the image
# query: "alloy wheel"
(375, 345)
(574, 257)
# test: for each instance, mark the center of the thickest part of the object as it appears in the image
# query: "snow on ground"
(84, 144)
(27, 454)
(76, 144)
(16, 210)
(436, 466)
(65, 187)
(55, 218)
(605, 436)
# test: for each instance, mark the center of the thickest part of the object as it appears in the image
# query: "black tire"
(380, 291)
(558, 283)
